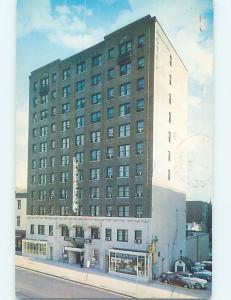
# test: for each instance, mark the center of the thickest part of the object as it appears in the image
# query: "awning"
(73, 249)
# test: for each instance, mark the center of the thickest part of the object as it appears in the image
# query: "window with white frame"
(43, 130)
(124, 151)
(52, 194)
(80, 157)
(63, 194)
(123, 171)
(140, 62)
(139, 211)
(123, 211)
(79, 175)
(140, 126)
(64, 160)
(41, 229)
(66, 73)
(94, 174)
(34, 148)
(43, 147)
(94, 211)
(139, 169)
(81, 67)
(53, 111)
(123, 191)
(80, 86)
(110, 113)
(125, 89)
(139, 190)
(97, 60)
(141, 41)
(79, 192)
(44, 114)
(53, 128)
(110, 93)
(65, 125)
(44, 99)
(96, 117)
(53, 145)
(42, 210)
(52, 161)
(80, 122)
(139, 148)
(64, 177)
(33, 179)
(111, 53)
(125, 109)
(66, 108)
(95, 155)
(65, 143)
(124, 130)
(125, 48)
(109, 192)
(125, 69)
(43, 163)
(94, 192)
(96, 79)
(42, 194)
(110, 132)
(96, 98)
(109, 172)
(80, 103)
(42, 179)
(111, 73)
(122, 235)
(66, 91)
(110, 152)
(95, 136)
(140, 105)
(80, 140)
(140, 84)
(33, 164)
(52, 178)
(34, 132)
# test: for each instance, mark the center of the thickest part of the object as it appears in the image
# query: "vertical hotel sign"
(75, 204)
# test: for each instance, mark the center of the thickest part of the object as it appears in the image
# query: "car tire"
(198, 286)
(166, 281)
(185, 286)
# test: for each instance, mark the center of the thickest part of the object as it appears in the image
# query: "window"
(94, 211)
(124, 151)
(43, 147)
(18, 221)
(52, 161)
(79, 157)
(63, 194)
(170, 98)
(139, 190)
(125, 109)
(33, 179)
(41, 229)
(124, 130)
(66, 108)
(169, 118)
(109, 193)
(44, 82)
(53, 77)
(109, 172)
(34, 132)
(66, 73)
(81, 210)
(64, 212)
(43, 130)
(34, 148)
(43, 163)
(79, 140)
(52, 145)
(110, 93)
(111, 53)
(122, 235)
(65, 231)
(110, 152)
(139, 211)
(52, 177)
(110, 113)
(80, 86)
(33, 163)
(19, 204)
(42, 179)
(95, 233)
(64, 160)
(80, 103)
(170, 79)
(169, 175)
(31, 228)
(96, 98)
(108, 234)
(65, 125)
(141, 41)
(139, 148)
(125, 48)
(66, 91)
(123, 191)
(79, 193)
(35, 85)
(80, 122)
(169, 156)
(169, 137)
(95, 136)
(94, 174)
(111, 74)
(110, 132)
(53, 111)
(33, 210)
(94, 192)
(79, 232)
(35, 117)
(53, 94)
(140, 84)
(139, 169)
(96, 79)
(51, 196)
(125, 69)
(53, 128)
(35, 101)
(95, 155)
(79, 175)
(96, 117)
(125, 89)
(123, 211)
(64, 177)
(140, 126)
(81, 67)
(97, 60)
(65, 143)
(138, 236)
(50, 230)
(123, 171)
(140, 63)
(44, 99)
(140, 105)
(44, 114)
(42, 210)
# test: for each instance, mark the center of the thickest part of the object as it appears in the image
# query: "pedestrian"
(81, 261)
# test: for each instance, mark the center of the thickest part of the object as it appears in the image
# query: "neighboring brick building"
(120, 109)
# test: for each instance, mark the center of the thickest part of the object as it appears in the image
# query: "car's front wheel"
(198, 286)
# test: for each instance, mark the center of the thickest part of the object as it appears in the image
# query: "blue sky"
(51, 29)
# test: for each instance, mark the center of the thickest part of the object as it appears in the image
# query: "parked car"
(194, 281)
(207, 265)
(165, 275)
(175, 279)
(204, 274)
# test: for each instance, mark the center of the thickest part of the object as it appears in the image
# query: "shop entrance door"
(78, 257)
(51, 253)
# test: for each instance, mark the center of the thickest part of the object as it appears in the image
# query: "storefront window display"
(35, 248)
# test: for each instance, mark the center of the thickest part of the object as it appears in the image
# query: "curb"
(75, 281)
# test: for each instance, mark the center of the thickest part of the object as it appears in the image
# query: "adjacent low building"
(106, 172)
(20, 214)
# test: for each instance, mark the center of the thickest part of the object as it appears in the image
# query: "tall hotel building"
(106, 170)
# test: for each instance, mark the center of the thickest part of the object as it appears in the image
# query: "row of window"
(123, 191)
(124, 48)
(94, 210)
(124, 109)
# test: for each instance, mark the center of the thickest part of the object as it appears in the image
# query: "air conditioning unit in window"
(140, 130)
(109, 176)
(110, 156)
(90, 196)
(139, 195)
(140, 173)
(92, 215)
(139, 215)
(108, 238)
(108, 215)
(138, 241)
(110, 196)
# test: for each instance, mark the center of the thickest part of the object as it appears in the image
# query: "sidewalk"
(107, 281)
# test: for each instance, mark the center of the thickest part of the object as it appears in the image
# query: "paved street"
(31, 285)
